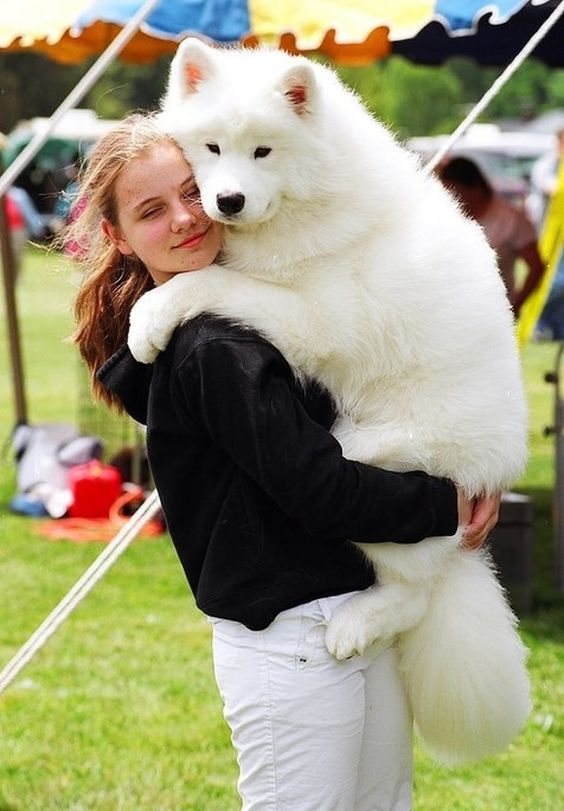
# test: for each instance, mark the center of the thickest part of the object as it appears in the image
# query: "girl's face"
(160, 217)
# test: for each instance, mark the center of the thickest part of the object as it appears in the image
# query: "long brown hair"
(112, 282)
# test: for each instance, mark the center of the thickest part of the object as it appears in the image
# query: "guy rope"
(86, 583)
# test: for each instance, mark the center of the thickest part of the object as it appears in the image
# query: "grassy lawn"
(119, 711)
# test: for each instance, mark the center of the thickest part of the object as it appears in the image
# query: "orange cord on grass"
(83, 530)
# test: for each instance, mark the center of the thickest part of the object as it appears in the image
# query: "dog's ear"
(298, 86)
(193, 63)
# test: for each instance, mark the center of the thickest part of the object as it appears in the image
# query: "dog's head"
(250, 126)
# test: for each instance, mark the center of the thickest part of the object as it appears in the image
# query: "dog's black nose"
(230, 203)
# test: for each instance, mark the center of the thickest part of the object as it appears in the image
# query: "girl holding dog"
(257, 495)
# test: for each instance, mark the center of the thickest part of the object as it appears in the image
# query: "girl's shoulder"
(207, 329)
(219, 356)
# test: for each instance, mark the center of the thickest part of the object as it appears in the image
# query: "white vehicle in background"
(54, 167)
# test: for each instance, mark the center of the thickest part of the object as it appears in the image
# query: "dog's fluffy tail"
(464, 665)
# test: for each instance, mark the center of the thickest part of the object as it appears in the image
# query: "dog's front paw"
(141, 347)
(347, 633)
(149, 329)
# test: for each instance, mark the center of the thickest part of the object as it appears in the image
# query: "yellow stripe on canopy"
(46, 21)
(309, 21)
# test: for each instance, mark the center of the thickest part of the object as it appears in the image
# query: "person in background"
(508, 229)
(550, 325)
(17, 229)
(34, 222)
(67, 198)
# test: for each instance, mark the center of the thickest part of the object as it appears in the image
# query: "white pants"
(312, 733)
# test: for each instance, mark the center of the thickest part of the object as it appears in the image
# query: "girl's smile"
(193, 242)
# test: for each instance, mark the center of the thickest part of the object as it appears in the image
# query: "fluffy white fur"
(361, 269)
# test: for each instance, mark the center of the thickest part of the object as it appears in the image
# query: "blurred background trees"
(412, 99)
(420, 100)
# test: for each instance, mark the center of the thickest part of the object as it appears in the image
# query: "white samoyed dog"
(359, 266)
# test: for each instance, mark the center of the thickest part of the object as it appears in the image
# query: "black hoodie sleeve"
(129, 380)
(244, 393)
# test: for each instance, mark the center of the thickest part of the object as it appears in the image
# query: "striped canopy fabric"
(348, 31)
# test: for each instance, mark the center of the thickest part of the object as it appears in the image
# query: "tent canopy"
(348, 31)
(492, 41)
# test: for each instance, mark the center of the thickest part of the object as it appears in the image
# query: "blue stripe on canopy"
(463, 15)
(222, 20)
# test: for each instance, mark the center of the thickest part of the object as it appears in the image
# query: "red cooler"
(94, 486)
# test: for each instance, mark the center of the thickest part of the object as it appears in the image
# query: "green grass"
(119, 711)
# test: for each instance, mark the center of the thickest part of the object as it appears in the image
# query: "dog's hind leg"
(380, 612)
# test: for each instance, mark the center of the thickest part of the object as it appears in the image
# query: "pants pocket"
(310, 646)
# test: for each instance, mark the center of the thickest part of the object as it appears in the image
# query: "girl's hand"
(477, 517)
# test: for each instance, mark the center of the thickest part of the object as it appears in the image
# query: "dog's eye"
(213, 148)
(262, 151)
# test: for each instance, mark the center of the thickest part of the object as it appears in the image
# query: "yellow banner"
(551, 243)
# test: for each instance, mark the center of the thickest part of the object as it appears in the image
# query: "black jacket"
(258, 498)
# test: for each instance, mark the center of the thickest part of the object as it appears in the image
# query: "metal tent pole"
(9, 276)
